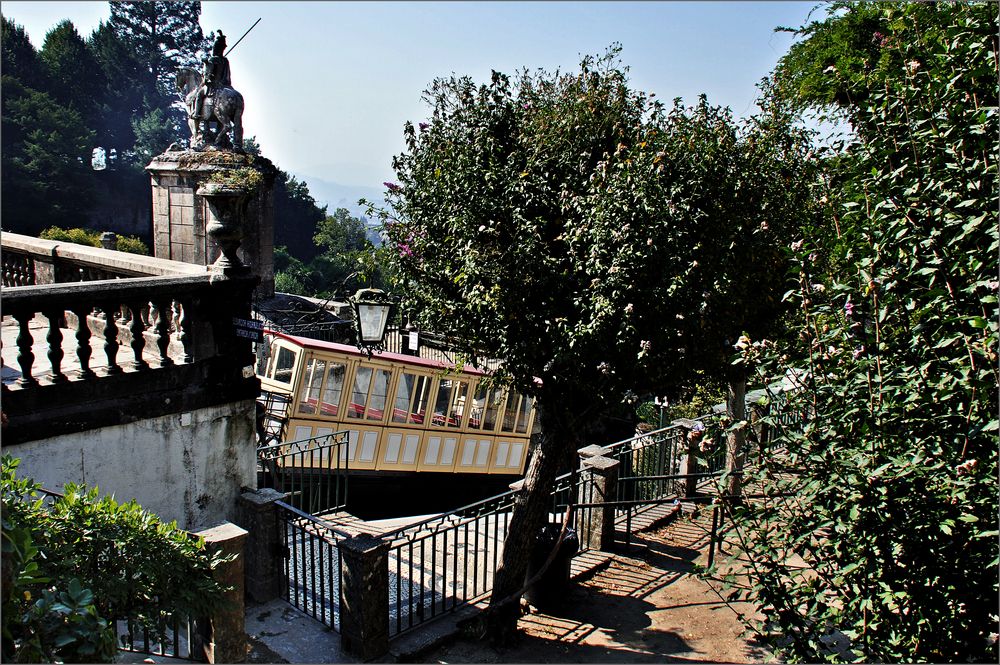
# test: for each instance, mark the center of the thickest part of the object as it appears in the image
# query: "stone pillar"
(264, 553)
(181, 216)
(364, 609)
(109, 240)
(689, 462)
(222, 638)
(598, 483)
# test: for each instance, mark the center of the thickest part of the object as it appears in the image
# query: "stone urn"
(227, 205)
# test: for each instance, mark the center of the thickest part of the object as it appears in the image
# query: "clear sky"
(328, 85)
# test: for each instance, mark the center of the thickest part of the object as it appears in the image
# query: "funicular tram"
(404, 416)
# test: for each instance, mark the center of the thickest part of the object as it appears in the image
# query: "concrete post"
(598, 483)
(587, 452)
(264, 555)
(364, 610)
(689, 462)
(222, 637)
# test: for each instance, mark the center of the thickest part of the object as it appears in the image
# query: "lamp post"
(372, 311)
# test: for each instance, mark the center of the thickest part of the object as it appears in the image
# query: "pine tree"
(71, 70)
(20, 59)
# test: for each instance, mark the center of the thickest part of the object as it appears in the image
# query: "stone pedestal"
(257, 513)
(364, 609)
(223, 637)
(688, 486)
(598, 484)
(181, 216)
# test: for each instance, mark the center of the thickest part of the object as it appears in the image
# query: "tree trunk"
(736, 409)
(527, 517)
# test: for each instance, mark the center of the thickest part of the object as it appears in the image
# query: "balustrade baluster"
(54, 339)
(183, 326)
(163, 310)
(111, 345)
(83, 350)
(25, 358)
(137, 327)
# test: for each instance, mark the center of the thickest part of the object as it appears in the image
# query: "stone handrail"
(29, 261)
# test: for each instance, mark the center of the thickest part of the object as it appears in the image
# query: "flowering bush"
(889, 493)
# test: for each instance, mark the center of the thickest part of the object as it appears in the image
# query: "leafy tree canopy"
(591, 237)
(889, 495)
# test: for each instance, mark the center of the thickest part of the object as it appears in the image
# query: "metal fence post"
(223, 636)
(364, 609)
(257, 513)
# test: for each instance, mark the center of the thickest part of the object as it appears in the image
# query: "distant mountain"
(335, 195)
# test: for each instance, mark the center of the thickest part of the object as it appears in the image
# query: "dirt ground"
(647, 606)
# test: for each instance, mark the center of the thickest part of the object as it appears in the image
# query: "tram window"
(380, 390)
(524, 413)
(411, 399)
(359, 394)
(312, 381)
(510, 411)
(484, 409)
(458, 404)
(284, 362)
(332, 389)
(449, 403)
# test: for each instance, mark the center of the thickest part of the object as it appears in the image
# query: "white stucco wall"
(187, 467)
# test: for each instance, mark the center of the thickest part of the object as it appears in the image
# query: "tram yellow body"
(401, 413)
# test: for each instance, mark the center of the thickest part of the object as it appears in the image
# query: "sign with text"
(249, 329)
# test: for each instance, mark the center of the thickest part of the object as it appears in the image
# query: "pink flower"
(392, 187)
(966, 467)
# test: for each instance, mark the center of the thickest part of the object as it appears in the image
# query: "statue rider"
(215, 75)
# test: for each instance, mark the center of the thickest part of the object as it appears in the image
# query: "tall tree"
(576, 229)
(153, 39)
(888, 497)
(46, 161)
(163, 34)
(20, 59)
(296, 216)
(73, 75)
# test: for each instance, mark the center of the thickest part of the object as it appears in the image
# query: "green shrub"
(88, 560)
(130, 244)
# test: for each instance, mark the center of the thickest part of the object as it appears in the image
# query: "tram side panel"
(384, 407)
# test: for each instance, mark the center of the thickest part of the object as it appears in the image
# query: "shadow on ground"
(646, 606)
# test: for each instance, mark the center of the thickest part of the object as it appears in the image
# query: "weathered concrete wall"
(187, 467)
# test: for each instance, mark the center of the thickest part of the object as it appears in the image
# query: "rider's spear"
(241, 38)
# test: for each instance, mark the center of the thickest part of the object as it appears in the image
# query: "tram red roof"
(320, 345)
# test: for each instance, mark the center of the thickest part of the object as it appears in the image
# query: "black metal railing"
(174, 637)
(447, 562)
(273, 412)
(312, 471)
(313, 565)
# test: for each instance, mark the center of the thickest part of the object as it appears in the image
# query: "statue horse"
(224, 107)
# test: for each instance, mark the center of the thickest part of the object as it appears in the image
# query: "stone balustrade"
(94, 353)
(29, 261)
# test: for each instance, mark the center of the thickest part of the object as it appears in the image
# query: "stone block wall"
(180, 216)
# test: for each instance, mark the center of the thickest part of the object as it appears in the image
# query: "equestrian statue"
(214, 107)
